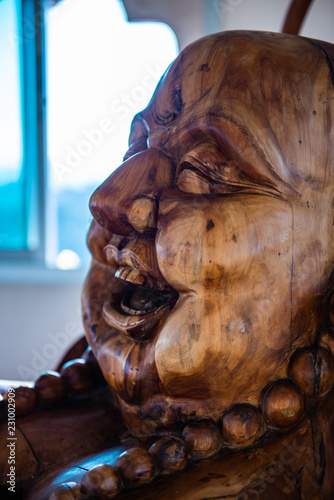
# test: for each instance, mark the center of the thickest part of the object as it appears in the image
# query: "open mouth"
(142, 306)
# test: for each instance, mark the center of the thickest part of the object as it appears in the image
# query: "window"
(21, 157)
(99, 70)
(13, 232)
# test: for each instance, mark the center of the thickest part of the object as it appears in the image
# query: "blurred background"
(73, 74)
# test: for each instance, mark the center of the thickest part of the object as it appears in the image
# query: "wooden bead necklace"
(75, 379)
(283, 403)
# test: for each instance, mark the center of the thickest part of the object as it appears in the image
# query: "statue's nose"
(127, 202)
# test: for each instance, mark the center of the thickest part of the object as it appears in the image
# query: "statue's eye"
(192, 180)
(206, 170)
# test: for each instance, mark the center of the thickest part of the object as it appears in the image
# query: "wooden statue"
(209, 302)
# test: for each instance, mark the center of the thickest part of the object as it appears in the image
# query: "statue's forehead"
(274, 85)
(228, 61)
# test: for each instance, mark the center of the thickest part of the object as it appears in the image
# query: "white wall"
(191, 19)
(37, 322)
(36, 319)
(268, 15)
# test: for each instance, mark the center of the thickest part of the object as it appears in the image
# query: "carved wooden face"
(212, 242)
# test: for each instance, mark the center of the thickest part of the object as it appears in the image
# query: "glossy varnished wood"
(233, 192)
(209, 302)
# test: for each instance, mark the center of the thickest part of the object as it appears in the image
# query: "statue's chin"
(163, 415)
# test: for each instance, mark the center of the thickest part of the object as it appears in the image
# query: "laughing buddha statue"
(208, 306)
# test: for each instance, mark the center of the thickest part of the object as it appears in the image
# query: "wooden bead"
(25, 399)
(242, 425)
(283, 405)
(77, 375)
(202, 439)
(50, 387)
(66, 491)
(136, 467)
(313, 371)
(170, 455)
(103, 481)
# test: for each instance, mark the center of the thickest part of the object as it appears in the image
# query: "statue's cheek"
(223, 242)
(207, 345)
(195, 250)
(180, 349)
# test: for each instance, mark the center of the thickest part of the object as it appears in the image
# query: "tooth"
(126, 273)
(134, 276)
(137, 278)
(133, 312)
(130, 274)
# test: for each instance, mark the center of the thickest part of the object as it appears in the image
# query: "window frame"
(31, 54)
(30, 265)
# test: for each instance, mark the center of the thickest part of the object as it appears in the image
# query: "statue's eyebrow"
(222, 132)
(255, 145)
(265, 160)
(219, 131)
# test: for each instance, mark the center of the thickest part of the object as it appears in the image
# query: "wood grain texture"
(297, 464)
(208, 304)
(222, 272)
(52, 438)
